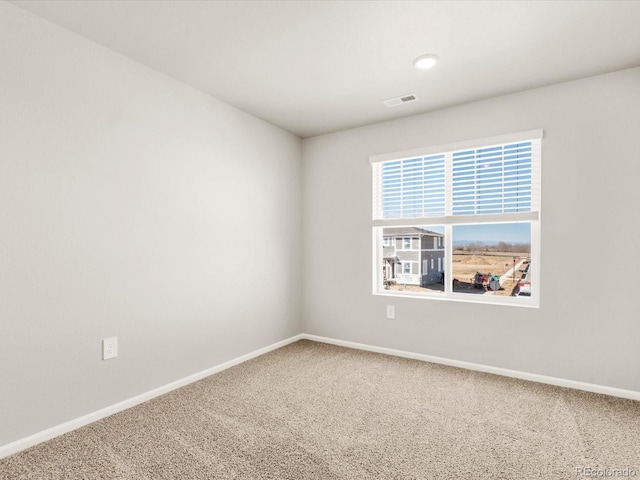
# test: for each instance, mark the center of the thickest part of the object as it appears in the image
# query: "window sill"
(464, 298)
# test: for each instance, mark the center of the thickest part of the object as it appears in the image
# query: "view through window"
(461, 222)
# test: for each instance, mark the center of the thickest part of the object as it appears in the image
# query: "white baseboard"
(560, 382)
(48, 434)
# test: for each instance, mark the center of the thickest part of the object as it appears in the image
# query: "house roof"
(399, 231)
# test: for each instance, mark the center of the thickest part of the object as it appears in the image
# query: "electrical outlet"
(391, 311)
(109, 348)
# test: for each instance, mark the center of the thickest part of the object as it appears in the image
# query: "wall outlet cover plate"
(109, 348)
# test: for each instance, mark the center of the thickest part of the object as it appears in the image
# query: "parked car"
(523, 289)
(486, 281)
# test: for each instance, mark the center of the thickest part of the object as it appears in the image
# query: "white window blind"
(490, 178)
(495, 179)
(411, 188)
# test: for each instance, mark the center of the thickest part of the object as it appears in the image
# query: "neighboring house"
(413, 256)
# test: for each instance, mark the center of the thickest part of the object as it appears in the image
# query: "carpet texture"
(316, 411)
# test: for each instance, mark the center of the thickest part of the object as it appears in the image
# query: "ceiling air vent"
(392, 102)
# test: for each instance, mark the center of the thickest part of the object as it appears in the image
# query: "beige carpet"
(315, 411)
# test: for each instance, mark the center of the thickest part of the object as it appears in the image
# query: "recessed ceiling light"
(425, 62)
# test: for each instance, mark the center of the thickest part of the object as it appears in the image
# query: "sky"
(493, 233)
(517, 233)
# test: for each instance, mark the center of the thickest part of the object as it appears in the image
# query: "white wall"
(130, 205)
(588, 327)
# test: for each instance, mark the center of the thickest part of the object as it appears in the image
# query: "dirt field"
(465, 266)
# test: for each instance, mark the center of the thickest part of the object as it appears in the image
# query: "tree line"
(497, 247)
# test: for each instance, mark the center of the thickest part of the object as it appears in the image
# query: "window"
(472, 207)
(406, 267)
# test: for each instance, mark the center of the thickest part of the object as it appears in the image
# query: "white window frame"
(448, 220)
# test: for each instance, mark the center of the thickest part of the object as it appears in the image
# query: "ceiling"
(314, 67)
